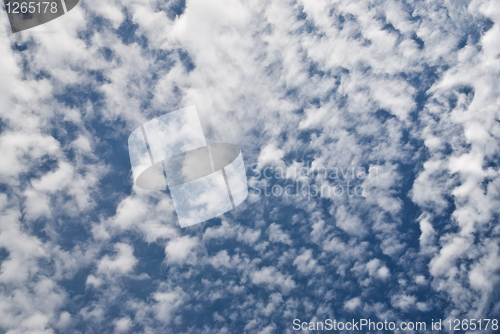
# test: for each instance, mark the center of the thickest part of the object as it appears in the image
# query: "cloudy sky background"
(409, 88)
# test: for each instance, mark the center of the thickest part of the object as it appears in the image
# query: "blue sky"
(409, 90)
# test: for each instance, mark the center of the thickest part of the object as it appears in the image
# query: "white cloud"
(349, 223)
(427, 236)
(276, 234)
(404, 302)
(178, 250)
(122, 262)
(130, 211)
(167, 303)
(376, 269)
(93, 281)
(306, 263)
(222, 259)
(420, 279)
(273, 278)
(352, 304)
(270, 154)
(123, 325)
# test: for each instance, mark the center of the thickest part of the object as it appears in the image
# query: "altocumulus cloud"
(411, 89)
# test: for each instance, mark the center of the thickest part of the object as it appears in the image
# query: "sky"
(370, 134)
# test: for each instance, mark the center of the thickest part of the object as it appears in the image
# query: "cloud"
(305, 262)
(276, 234)
(376, 269)
(178, 250)
(122, 262)
(272, 278)
(270, 154)
(352, 304)
(123, 325)
(167, 303)
(404, 302)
